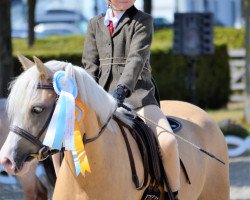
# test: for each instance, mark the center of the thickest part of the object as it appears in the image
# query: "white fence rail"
(237, 69)
(237, 62)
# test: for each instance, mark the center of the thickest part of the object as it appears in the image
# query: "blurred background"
(200, 54)
(74, 14)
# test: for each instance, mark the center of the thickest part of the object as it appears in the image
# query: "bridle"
(44, 151)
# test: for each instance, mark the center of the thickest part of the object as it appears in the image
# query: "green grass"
(50, 46)
(234, 112)
(221, 114)
(162, 41)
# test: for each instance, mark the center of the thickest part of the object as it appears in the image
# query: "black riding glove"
(120, 94)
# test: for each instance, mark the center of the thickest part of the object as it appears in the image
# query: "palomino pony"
(31, 102)
(32, 187)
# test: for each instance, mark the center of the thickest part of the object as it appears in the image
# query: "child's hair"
(108, 2)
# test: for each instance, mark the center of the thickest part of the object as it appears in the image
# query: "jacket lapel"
(125, 19)
(103, 28)
(127, 16)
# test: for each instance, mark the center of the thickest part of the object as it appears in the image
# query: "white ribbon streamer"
(70, 122)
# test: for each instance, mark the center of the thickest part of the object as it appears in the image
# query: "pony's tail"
(50, 171)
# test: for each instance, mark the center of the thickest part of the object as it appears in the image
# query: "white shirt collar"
(109, 17)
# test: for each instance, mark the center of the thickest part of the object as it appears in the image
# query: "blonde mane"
(24, 89)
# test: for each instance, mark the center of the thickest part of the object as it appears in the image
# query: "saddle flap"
(146, 141)
(142, 133)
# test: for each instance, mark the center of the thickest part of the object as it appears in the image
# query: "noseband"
(44, 151)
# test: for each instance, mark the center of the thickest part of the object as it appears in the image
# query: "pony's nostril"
(7, 163)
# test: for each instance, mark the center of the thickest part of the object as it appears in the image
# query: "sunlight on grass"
(234, 112)
(50, 45)
(219, 115)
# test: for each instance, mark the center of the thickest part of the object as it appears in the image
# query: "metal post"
(247, 42)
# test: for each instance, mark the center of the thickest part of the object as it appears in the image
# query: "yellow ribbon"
(78, 142)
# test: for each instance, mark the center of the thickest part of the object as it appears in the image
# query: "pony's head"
(31, 104)
(28, 108)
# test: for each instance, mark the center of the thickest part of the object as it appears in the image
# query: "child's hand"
(120, 94)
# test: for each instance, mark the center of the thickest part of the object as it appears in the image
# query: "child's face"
(122, 4)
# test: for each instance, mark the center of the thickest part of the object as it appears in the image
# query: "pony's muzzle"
(8, 165)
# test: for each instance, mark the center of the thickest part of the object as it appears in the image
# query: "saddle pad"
(175, 125)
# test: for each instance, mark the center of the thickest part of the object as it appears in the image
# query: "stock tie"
(111, 27)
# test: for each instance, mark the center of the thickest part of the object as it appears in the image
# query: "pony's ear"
(26, 63)
(41, 68)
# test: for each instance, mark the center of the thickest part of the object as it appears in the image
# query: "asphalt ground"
(240, 177)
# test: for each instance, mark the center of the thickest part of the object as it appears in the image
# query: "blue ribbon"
(61, 123)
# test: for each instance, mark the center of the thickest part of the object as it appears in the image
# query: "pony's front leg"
(67, 186)
(56, 162)
(32, 186)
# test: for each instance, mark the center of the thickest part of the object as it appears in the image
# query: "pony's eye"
(37, 109)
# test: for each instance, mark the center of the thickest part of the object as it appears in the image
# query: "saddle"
(148, 146)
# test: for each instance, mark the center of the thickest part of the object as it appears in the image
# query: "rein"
(88, 140)
(44, 151)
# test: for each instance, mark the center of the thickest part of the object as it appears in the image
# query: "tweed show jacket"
(123, 57)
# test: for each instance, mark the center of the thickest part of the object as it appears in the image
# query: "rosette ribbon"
(61, 126)
(80, 154)
(64, 125)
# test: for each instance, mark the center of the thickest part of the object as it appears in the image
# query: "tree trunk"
(147, 6)
(31, 22)
(6, 67)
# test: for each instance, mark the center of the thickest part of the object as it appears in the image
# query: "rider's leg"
(167, 141)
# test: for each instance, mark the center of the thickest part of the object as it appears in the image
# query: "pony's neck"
(92, 93)
(91, 127)
(109, 163)
(92, 124)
